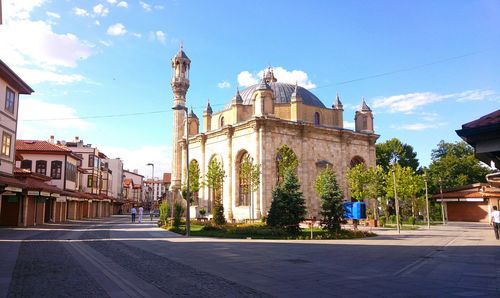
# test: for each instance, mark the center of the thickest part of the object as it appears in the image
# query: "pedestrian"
(141, 210)
(133, 211)
(495, 221)
(151, 213)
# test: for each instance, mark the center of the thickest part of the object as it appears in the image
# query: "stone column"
(258, 160)
(201, 193)
(230, 132)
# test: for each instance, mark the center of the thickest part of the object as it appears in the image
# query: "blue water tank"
(358, 210)
(348, 210)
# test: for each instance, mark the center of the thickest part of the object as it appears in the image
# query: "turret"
(338, 112)
(194, 123)
(263, 99)
(207, 117)
(296, 105)
(364, 118)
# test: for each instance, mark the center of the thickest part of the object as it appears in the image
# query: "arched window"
(41, 167)
(316, 118)
(221, 121)
(26, 164)
(286, 160)
(356, 160)
(244, 167)
(55, 169)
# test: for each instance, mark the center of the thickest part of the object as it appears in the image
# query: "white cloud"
(477, 95)
(245, 78)
(34, 50)
(418, 126)
(159, 7)
(16, 9)
(105, 43)
(100, 10)
(112, 1)
(160, 36)
(411, 101)
(138, 35)
(224, 84)
(97, 23)
(137, 158)
(122, 4)
(145, 6)
(349, 125)
(80, 12)
(35, 109)
(117, 29)
(53, 15)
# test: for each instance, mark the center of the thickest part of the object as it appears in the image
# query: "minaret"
(207, 117)
(180, 85)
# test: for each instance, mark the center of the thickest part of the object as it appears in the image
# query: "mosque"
(258, 122)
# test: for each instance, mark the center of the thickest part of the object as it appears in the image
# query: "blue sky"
(441, 61)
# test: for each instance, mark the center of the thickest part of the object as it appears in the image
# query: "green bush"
(219, 218)
(178, 212)
(411, 220)
(382, 221)
(392, 219)
(164, 211)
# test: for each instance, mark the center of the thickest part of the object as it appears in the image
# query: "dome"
(283, 93)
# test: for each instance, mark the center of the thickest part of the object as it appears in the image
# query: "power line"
(388, 73)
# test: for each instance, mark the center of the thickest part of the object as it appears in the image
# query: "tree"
(408, 185)
(366, 184)
(286, 161)
(214, 180)
(455, 165)
(288, 206)
(332, 208)
(194, 182)
(250, 173)
(393, 148)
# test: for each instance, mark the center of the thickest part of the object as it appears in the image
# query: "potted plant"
(202, 212)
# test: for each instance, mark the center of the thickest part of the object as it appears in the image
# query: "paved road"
(114, 258)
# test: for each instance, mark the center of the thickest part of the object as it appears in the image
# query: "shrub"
(392, 219)
(178, 212)
(382, 221)
(219, 218)
(164, 211)
(411, 220)
(202, 212)
(332, 208)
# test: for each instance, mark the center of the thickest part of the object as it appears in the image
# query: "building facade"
(260, 122)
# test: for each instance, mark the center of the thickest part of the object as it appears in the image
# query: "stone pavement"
(115, 258)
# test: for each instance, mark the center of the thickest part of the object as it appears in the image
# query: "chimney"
(51, 140)
(136, 171)
(77, 138)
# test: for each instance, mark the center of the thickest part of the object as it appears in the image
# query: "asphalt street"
(115, 258)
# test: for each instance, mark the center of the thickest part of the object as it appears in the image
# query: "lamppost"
(188, 226)
(442, 202)
(152, 180)
(395, 195)
(427, 201)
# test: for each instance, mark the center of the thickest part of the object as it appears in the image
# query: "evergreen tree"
(288, 206)
(331, 200)
(214, 180)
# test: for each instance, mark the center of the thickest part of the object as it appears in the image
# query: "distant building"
(133, 188)
(157, 188)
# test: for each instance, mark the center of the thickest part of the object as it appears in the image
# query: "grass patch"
(262, 231)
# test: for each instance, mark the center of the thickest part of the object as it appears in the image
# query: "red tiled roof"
(34, 145)
(25, 173)
(491, 118)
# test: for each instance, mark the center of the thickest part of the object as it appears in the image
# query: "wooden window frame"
(56, 169)
(24, 164)
(38, 168)
(10, 101)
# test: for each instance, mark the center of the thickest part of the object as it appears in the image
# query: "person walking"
(495, 221)
(133, 211)
(151, 213)
(141, 211)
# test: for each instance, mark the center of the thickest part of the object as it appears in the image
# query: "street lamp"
(180, 108)
(442, 202)
(395, 195)
(427, 201)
